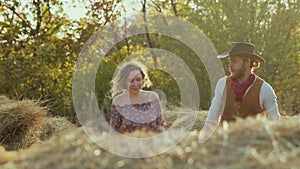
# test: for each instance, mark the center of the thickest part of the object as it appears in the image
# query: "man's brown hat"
(243, 49)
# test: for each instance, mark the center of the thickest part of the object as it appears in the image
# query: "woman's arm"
(115, 119)
(160, 120)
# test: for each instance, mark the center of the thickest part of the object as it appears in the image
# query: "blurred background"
(40, 41)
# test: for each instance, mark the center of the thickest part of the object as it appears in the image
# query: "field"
(30, 138)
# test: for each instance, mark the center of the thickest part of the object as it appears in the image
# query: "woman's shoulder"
(151, 95)
(120, 99)
(146, 97)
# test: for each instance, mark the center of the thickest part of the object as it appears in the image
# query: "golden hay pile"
(4, 100)
(246, 143)
(23, 123)
(171, 116)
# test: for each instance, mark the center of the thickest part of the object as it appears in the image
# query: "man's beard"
(239, 72)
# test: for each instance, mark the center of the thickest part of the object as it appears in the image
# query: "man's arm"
(214, 113)
(268, 101)
(217, 104)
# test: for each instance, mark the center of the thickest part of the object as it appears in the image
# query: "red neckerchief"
(240, 88)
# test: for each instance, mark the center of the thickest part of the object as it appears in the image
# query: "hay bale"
(247, 143)
(173, 119)
(4, 100)
(19, 122)
(52, 126)
(24, 123)
(6, 156)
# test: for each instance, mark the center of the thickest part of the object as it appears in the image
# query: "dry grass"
(186, 116)
(4, 100)
(24, 123)
(19, 120)
(53, 126)
(247, 143)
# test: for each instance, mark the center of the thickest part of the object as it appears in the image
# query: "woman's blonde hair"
(119, 81)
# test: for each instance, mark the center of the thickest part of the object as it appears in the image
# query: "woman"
(133, 108)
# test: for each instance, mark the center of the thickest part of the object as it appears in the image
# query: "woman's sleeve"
(115, 119)
(160, 120)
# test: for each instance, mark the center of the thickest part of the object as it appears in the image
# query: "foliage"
(35, 62)
(39, 46)
(103, 85)
(271, 25)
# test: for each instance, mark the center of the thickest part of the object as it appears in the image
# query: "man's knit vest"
(249, 106)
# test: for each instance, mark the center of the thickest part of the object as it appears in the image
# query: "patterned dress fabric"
(146, 116)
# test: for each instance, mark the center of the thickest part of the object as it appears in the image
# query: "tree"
(39, 47)
(271, 25)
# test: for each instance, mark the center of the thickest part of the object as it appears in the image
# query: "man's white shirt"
(267, 101)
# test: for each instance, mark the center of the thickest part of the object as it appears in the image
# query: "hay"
(173, 120)
(246, 143)
(19, 120)
(24, 123)
(4, 100)
(53, 126)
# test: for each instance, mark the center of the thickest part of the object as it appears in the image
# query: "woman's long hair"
(119, 81)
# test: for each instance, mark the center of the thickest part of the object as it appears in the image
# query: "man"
(243, 93)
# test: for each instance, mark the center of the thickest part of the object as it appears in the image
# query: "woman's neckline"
(135, 104)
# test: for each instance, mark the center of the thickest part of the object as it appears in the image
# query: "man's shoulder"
(264, 83)
(260, 79)
(223, 79)
(221, 84)
(266, 86)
